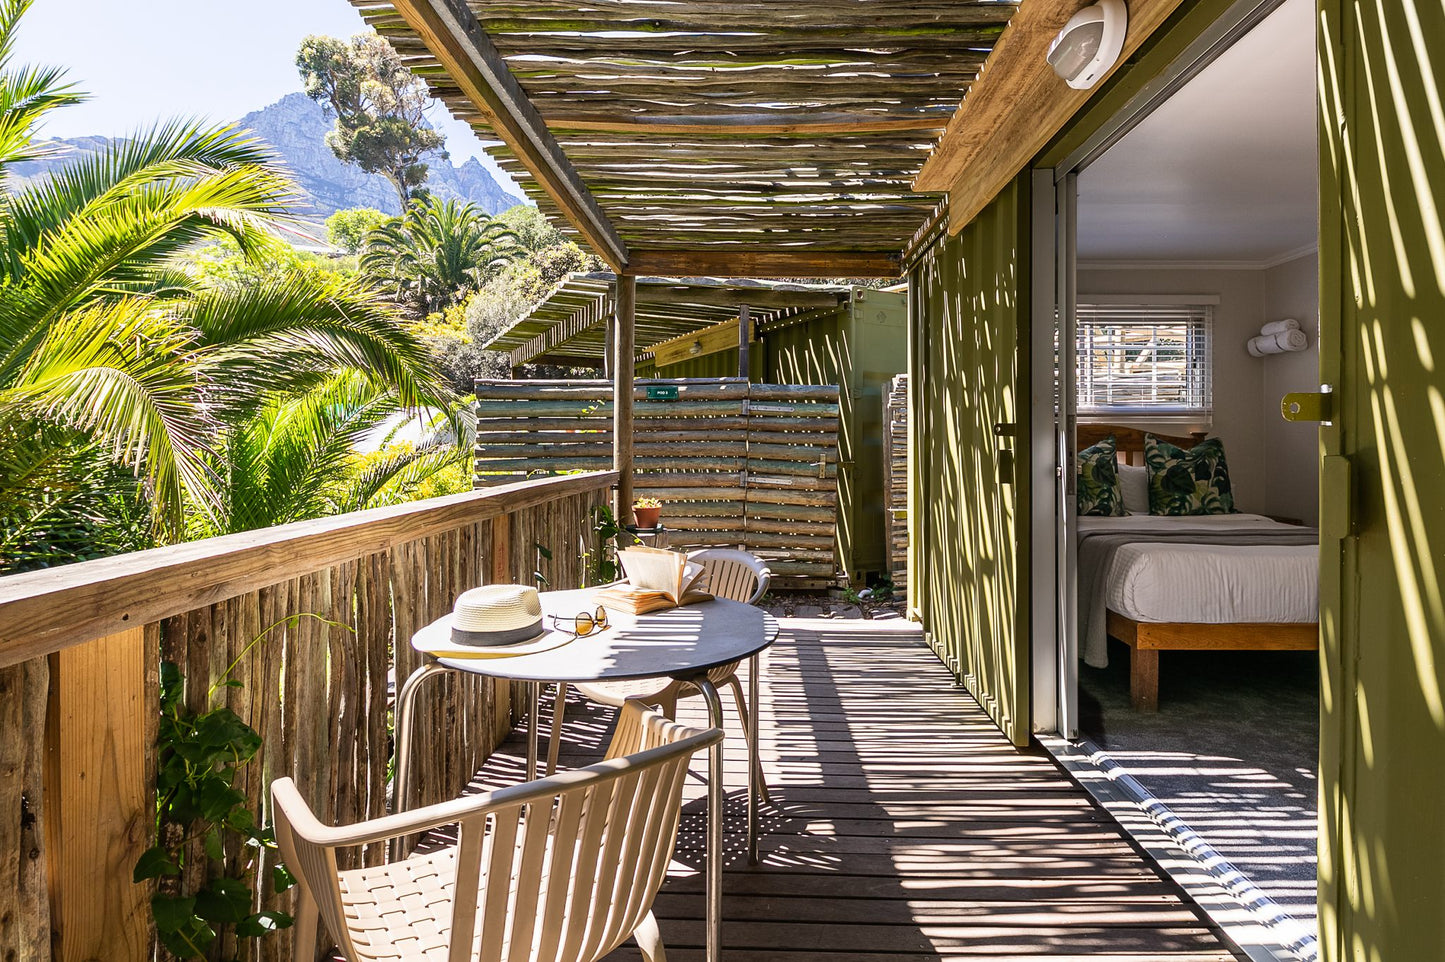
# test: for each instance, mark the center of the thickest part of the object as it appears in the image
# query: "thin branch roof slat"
(571, 320)
(779, 126)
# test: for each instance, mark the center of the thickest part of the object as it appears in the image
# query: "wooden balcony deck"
(904, 827)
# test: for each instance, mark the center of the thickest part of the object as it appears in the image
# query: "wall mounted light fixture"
(1090, 43)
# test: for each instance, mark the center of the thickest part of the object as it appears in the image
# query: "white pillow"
(1134, 482)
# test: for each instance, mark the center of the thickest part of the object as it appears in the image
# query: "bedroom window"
(1145, 359)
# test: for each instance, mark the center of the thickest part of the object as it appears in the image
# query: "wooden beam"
(98, 818)
(761, 298)
(724, 262)
(451, 32)
(709, 340)
(745, 335)
(1016, 106)
(752, 125)
(49, 610)
(624, 345)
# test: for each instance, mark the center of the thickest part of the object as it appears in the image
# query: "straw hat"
(490, 622)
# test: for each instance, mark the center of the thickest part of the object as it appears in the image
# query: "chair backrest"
(562, 869)
(734, 574)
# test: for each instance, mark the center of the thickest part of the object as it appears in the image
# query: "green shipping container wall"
(969, 341)
(859, 347)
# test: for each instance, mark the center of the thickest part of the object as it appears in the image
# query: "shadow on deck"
(903, 825)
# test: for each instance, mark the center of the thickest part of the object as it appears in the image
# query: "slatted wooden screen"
(735, 464)
(895, 478)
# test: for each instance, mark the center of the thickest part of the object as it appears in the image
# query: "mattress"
(1215, 584)
(1199, 583)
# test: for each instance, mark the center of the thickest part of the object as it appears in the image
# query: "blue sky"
(143, 60)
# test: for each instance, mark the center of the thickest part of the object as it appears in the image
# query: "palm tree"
(439, 252)
(295, 457)
(106, 344)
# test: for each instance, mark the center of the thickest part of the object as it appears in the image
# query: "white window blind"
(1145, 359)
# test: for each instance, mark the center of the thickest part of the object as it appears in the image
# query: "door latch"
(1309, 405)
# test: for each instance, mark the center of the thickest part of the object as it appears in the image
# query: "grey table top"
(678, 643)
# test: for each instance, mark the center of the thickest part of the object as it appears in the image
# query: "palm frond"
(280, 333)
(112, 372)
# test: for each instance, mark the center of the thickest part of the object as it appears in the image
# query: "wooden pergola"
(707, 138)
(813, 138)
(674, 318)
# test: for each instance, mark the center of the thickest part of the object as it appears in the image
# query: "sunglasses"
(584, 623)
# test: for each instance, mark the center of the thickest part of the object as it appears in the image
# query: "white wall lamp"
(1090, 43)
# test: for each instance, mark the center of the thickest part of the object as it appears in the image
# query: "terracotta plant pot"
(646, 517)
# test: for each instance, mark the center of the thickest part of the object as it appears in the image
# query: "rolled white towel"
(1279, 327)
(1293, 340)
(1263, 345)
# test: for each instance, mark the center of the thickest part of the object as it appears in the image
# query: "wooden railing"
(313, 619)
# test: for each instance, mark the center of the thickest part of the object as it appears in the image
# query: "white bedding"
(1203, 583)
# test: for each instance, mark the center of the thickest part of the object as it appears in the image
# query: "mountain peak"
(295, 127)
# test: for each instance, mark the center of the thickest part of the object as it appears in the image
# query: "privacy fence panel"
(735, 464)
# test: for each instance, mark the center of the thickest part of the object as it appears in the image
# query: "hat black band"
(497, 639)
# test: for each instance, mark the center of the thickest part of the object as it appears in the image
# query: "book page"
(655, 569)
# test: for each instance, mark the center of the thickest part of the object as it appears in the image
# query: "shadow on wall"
(1383, 263)
(969, 369)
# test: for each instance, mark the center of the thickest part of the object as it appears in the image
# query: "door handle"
(1309, 405)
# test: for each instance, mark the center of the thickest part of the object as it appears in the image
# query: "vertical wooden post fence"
(313, 619)
(895, 479)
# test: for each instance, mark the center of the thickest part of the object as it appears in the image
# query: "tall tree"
(379, 105)
(438, 253)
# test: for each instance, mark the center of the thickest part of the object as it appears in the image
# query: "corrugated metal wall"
(969, 341)
(1382, 572)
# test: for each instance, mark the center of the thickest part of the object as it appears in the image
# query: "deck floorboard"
(903, 827)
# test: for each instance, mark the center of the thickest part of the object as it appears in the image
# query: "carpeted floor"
(1232, 751)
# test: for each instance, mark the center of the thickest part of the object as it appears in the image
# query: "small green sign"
(662, 392)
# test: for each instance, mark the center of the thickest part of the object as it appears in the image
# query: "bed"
(1235, 582)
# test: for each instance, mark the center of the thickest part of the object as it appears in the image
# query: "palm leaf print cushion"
(1099, 491)
(1183, 482)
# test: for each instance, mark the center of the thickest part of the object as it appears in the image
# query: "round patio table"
(680, 643)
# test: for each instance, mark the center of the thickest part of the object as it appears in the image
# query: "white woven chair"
(732, 574)
(562, 869)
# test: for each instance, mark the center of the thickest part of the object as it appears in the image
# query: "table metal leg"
(714, 824)
(405, 708)
(755, 762)
(534, 701)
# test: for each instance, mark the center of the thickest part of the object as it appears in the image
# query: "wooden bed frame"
(1147, 639)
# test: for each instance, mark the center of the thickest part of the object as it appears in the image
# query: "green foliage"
(379, 105)
(608, 536)
(198, 758)
(62, 499)
(135, 358)
(294, 457)
(222, 262)
(348, 229)
(532, 228)
(436, 254)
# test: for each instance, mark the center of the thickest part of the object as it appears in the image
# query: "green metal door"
(1382, 550)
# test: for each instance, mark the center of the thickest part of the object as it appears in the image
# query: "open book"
(656, 579)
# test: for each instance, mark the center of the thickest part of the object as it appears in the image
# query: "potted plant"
(646, 511)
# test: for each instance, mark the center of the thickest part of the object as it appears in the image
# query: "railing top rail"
(45, 611)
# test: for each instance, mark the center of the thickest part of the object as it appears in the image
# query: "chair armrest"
(306, 826)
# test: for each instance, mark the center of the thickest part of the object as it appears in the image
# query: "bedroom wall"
(1292, 450)
(1240, 414)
